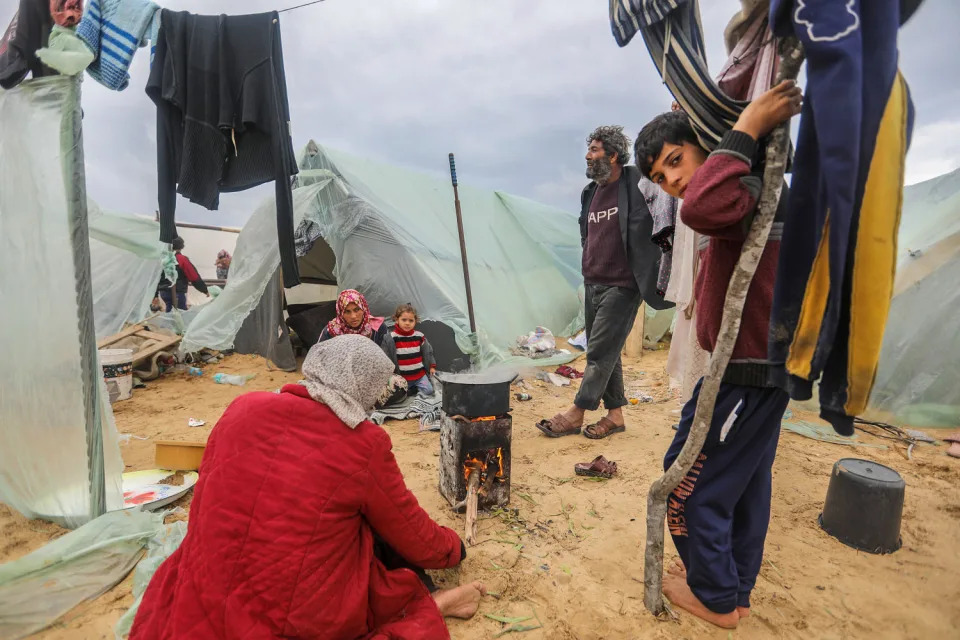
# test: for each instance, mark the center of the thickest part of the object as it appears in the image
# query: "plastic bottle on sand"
(227, 378)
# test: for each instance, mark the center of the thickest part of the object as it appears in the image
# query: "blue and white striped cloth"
(114, 30)
(673, 34)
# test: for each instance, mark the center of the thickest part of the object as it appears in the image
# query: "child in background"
(410, 350)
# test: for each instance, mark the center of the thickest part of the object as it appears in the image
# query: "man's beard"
(599, 170)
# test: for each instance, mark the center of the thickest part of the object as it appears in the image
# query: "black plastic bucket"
(476, 395)
(864, 505)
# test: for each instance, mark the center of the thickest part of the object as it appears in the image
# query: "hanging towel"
(663, 210)
(114, 30)
(673, 35)
(66, 13)
(222, 116)
(687, 361)
(837, 261)
(752, 65)
(28, 31)
(65, 52)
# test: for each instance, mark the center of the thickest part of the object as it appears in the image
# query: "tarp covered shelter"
(919, 373)
(59, 455)
(391, 233)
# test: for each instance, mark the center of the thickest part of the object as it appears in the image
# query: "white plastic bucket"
(118, 369)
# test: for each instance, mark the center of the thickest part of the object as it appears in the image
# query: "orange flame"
(473, 463)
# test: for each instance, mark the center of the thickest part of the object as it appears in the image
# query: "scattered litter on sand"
(554, 379)
(909, 593)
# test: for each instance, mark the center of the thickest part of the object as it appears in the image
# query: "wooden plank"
(471, 519)
(634, 345)
(152, 335)
(129, 331)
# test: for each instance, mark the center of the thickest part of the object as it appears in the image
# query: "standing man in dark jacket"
(620, 269)
(186, 274)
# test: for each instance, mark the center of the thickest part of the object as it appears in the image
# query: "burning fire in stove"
(488, 466)
(473, 463)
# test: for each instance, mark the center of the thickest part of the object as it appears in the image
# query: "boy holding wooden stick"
(718, 515)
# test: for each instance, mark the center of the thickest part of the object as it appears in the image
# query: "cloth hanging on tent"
(114, 30)
(28, 31)
(838, 257)
(663, 210)
(222, 119)
(687, 361)
(752, 65)
(65, 52)
(66, 13)
(673, 35)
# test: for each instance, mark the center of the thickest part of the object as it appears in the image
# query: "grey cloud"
(511, 87)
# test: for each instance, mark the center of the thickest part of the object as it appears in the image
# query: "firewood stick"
(729, 328)
(472, 484)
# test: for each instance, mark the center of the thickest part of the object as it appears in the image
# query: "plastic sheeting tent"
(59, 456)
(918, 379)
(125, 267)
(391, 233)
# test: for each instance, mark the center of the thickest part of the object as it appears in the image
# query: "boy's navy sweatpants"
(718, 516)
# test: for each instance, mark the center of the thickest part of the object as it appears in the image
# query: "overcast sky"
(511, 86)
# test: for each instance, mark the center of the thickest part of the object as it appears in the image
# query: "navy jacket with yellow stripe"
(838, 254)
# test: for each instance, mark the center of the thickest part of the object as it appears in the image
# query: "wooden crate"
(179, 456)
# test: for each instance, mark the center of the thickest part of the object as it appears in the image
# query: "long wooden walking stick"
(463, 245)
(776, 161)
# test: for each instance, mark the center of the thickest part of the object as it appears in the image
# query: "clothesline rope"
(306, 4)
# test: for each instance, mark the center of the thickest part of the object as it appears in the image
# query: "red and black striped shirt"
(409, 353)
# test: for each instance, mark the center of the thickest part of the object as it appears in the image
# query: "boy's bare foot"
(678, 592)
(460, 602)
(676, 568)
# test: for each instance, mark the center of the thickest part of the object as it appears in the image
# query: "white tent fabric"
(393, 235)
(918, 380)
(125, 267)
(59, 455)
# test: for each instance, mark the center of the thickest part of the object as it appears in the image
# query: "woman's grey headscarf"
(347, 373)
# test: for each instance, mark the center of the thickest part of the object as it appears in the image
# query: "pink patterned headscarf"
(339, 327)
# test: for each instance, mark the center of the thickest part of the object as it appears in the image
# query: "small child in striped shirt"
(410, 350)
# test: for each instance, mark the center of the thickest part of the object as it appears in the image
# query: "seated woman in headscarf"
(353, 317)
(301, 525)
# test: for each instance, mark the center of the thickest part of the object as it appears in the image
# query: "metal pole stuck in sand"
(463, 245)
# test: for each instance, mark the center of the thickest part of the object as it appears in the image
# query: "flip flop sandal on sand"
(603, 428)
(557, 427)
(599, 468)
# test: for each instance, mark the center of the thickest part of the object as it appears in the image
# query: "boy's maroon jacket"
(719, 203)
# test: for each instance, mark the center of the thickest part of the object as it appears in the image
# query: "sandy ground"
(570, 555)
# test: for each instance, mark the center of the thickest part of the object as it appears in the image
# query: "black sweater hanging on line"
(222, 116)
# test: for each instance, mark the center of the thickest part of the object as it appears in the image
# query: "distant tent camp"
(391, 233)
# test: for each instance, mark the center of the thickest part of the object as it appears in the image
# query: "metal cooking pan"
(474, 395)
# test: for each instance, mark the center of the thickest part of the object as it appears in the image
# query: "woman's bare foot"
(460, 602)
(678, 592)
(743, 612)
